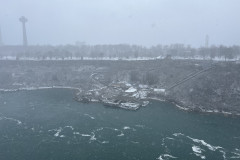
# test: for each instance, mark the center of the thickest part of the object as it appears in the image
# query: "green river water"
(48, 124)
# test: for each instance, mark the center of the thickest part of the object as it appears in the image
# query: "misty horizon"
(145, 23)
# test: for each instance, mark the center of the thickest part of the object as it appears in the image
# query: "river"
(48, 124)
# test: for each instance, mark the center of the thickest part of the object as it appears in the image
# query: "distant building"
(24, 20)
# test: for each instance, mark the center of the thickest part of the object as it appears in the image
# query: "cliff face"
(217, 88)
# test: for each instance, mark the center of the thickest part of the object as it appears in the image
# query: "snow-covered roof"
(131, 90)
(158, 90)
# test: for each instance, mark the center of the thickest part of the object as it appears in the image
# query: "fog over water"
(144, 22)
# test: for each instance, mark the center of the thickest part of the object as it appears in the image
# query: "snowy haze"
(143, 22)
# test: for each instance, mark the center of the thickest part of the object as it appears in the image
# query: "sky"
(141, 22)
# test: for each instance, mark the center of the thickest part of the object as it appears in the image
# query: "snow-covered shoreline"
(38, 88)
(181, 107)
(14, 58)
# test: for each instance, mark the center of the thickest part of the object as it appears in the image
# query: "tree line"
(120, 51)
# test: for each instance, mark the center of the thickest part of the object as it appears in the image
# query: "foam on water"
(170, 138)
(166, 156)
(129, 128)
(59, 130)
(198, 152)
(120, 135)
(197, 149)
(202, 142)
(104, 142)
(236, 154)
(92, 138)
(89, 116)
(76, 133)
(10, 119)
(140, 126)
(134, 142)
(126, 127)
(85, 135)
(178, 134)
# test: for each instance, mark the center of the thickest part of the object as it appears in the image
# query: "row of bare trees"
(120, 51)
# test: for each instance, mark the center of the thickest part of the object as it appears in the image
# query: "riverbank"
(129, 103)
(197, 85)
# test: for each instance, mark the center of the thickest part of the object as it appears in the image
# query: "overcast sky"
(143, 22)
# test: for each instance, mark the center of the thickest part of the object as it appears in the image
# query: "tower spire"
(23, 20)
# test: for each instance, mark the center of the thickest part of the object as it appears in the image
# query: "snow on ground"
(116, 58)
(159, 90)
(131, 90)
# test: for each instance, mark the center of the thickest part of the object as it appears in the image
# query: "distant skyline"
(140, 22)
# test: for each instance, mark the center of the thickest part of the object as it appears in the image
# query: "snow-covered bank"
(38, 88)
(13, 58)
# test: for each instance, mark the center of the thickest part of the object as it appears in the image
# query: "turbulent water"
(49, 125)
